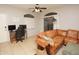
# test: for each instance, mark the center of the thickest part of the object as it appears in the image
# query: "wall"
(67, 17)
(31, 29)
(8, 16)
(13, 16)
(39, 23)
(32, 24)
(3, 31)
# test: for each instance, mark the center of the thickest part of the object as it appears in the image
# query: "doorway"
(49, 23)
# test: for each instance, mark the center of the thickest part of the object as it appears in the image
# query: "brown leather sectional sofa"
(59, 37)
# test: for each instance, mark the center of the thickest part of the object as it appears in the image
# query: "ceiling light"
(37, 10)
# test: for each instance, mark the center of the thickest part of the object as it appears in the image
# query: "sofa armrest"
(41, 42)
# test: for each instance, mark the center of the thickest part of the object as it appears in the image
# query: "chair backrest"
(20, 32)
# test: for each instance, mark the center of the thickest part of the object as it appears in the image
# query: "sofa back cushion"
(51, 33)
(41, 34)
(72, 33)
(69, 39)
(61, 32)
(78, 35)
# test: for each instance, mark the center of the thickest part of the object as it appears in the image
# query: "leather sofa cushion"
(49, 40)
(53, 50)
(41, 42)
(51, 33)
(78, 35)
(61, 32)
(69, 39)
(41, 33)
(58, 42)
(58, 39)
(78, 41)
(72, 33)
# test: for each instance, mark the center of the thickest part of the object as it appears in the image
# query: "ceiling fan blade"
(43, 8)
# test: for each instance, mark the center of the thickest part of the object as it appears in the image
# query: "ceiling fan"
(37, 8)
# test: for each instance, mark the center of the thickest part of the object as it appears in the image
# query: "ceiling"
(27, 6)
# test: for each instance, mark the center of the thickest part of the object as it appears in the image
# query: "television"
(11, 27)
(24, 26)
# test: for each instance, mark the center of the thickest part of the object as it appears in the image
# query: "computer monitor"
(11, 27)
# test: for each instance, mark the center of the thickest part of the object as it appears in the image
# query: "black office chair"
(20, 34)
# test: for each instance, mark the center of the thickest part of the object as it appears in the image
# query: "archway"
(49, 21)
(29, 15)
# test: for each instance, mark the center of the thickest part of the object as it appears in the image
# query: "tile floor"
(27, 47)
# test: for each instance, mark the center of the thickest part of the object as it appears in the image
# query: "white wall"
(39, 23)
(67, 17)
(31, 29)
(3, 32)
(8, 16)
(13, 16)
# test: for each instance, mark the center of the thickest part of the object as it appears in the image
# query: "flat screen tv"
(11, 27)
(24, 26)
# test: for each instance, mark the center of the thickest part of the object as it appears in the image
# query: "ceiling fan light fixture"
(37, 10)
